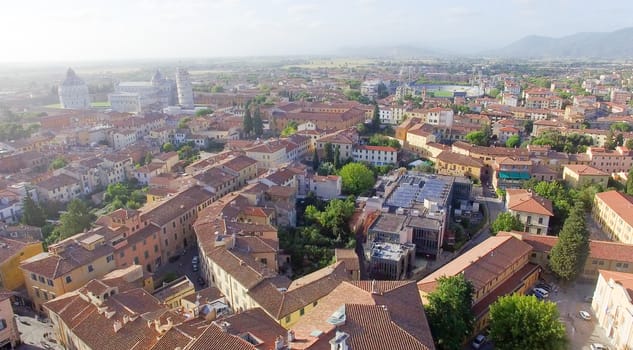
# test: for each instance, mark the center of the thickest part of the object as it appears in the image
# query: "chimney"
(340, 341)
(374, 288)
(291, 336)
(279, 343)
(117, 326)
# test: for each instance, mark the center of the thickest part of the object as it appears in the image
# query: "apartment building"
(268, 155)
(532, 210)
(9, 333)
(344, 140)
(498, 266)
(243, 167)
(175, 217)
(455, 164)
(578, 176)
(603, 255)
(619, 160)
(375, 155)
(13, 251)
(613, 211)
(510, 172)
(59, 188)
(66, 266)
(613, 307)
(325, 187)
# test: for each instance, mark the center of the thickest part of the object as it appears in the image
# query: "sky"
(89, 30)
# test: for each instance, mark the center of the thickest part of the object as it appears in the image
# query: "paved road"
(181, 267)
(32, 334)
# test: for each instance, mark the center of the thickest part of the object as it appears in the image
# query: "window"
(45, 296)
(315, 303)
(594, 262)
(166, 243)
(287, 319)
(68, 279)
(121, 254)
(136, 262)
(3, 324)
(37, 293)
(134, 247)
(42, 280)
(302, 312)
(146, 254)
(155, 248)
(90, 268)
(33, 277)
(109, 258)
(50, 282)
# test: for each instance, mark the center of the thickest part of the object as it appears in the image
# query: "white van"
(541, 292)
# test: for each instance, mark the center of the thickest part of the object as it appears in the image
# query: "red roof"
(620, 203)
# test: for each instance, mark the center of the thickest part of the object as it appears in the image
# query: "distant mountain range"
(617, 44)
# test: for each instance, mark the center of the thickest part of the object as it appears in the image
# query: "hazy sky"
(77, 30)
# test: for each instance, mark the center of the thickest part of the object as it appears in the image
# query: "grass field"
(332, 63)
(100, 104)
(443, 93)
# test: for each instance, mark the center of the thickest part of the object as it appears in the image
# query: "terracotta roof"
(57, 181)
(349, 256)
(482, 263)
(625, 280)
(215, 177)
(528, 202)
(238, 163)
(585, 170)
(603, 250)
(620, 203)
(172, 208)
(456, 158)
(242, 267)
(9, 248)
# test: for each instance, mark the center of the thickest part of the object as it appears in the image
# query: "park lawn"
(100, 104)
(443, 93)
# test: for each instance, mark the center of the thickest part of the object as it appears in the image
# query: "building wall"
(375, 157)
(145, 252)
(444, 168)
(614, 312)
(40, 292)
(539, 224)
(576, 180)
(268, 160)
(10, 273)
(10, 334)
(611, 222)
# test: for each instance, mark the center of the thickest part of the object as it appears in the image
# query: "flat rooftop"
(389, 223)
(389, 251)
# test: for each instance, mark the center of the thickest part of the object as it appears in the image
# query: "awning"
(513, 176)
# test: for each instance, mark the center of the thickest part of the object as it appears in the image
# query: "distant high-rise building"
(185, 91)
(73, 92)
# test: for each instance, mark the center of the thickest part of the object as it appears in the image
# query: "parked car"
(545, 286)
(195, 267)
(173, 258)
(598, 346)
(540, 292)
(201, 281)
(585, 315)
(478, 341)
(195, 260)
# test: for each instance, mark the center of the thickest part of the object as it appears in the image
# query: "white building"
(369, 88)
(185, 91)
(440, 116)
(326, 187)
(375, 155)
(138, 96)
(391, 115)
(613, 307)
(73, 92)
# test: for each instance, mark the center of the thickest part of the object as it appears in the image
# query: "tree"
(528, 125)
(315, 160)
(513, 141)
(326, 168)
(506, 222)
(629, 144)
(569, 254)
(290, 129)
(335, 214)
(58, 163)
(629, 182)
(523, 322)
(329, 152)
(32, 213)
(609, 142)
(203, 112)
(76, 218)
(148, 158)
(478, 138)
(183, 123)
(247, 125)
(449, 311)
(356, 178)
(375, 119)
(337, 157)
(258, 124)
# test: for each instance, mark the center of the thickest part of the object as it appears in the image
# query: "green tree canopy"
(513, 141)
(167, 147)
(326, 168)
(569, 254)
(506, 222)
(329, 152)
(335, 214)
(375, 119)
(449, 311)
(381, 140)
(258, 124)
(315, 160)
(247, 124)
(32, 213)
(629, 182)
(524, 322)
(203, 112)
(337, 157)
(290, 129)
(478, 138)
(58, 163)
(76, 218)
(356, 178)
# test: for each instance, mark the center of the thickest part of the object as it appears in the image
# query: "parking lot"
(571, 300)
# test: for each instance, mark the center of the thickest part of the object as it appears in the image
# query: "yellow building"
(455, 164)
(12, 253)
(603, 255)
(612, 211)
(67, 266)
(581, 175)
(243, 167)
(498, 266)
